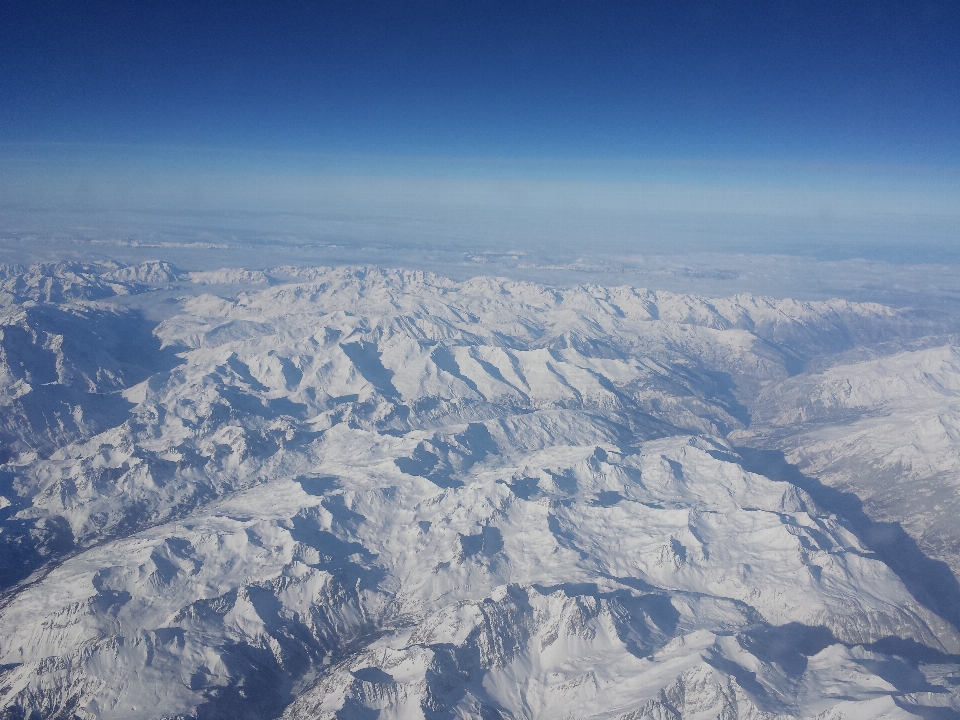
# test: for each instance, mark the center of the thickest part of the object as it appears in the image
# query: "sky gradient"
(802, 109)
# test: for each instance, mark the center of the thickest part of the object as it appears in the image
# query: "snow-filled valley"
(357, 493)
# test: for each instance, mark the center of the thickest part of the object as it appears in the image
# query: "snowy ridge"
(232, 276)
(358, 491)
(887, 429)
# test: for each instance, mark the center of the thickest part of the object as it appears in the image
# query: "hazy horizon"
(808, 129)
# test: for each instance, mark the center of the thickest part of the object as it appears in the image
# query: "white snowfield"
(355, 493)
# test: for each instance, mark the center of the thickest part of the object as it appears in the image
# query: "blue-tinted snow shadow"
(98, 342)
(930, 581)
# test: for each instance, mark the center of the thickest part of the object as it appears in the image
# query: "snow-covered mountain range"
(357, 493)
(886, 429)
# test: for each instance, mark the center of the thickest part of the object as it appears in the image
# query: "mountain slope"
(887, 429)
(343, 492)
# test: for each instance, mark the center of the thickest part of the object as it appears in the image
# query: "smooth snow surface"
(355, 493)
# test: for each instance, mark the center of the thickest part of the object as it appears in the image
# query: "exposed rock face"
(350, 493)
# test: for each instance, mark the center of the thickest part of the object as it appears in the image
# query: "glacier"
(354, 492)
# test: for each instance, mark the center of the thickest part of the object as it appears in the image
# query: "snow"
(887, 429)
(342, 492)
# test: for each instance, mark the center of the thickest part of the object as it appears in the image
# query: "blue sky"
(808, 109)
